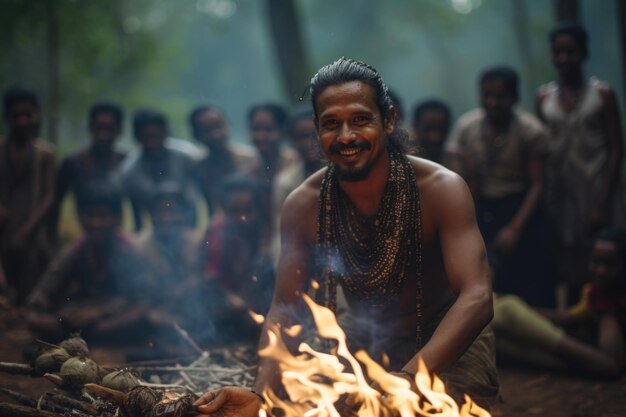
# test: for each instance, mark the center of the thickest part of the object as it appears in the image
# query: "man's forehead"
(352, 94)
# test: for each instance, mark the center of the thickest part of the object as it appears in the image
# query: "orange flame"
(316, 381)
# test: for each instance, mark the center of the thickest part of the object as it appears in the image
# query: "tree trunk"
(52, 47)
(524, 45)
(621, 16)
(566, 10)
(292, 54)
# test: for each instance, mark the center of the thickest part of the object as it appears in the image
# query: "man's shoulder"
(529, 122)
(309, 190)
(305, 197)
(471, 118)
(435, 182)
(45, 149)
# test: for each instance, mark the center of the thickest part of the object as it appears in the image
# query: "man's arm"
(39, 213)
(507, 238)
(466, 266)
(601, 211)
(291, 280)
(63, 183)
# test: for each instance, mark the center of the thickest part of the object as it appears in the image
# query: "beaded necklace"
(372, 257)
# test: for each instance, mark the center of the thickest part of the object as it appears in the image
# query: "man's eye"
(361, 120)
(330, 124)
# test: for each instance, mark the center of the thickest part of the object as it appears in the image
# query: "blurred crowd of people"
(544, 185)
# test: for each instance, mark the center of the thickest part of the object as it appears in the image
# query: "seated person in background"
(499, 150)
(96, 284)
(156, 166)
(238, 272)
(170, 248)
(526, 336)
(431, 124)
(94, 163)
(210, 127)
(303, 136)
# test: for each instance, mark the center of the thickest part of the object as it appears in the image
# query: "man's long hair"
(345, 70)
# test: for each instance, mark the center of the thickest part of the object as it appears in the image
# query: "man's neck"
(101, 153)
(19, 144)
(573, 81)
(366, 195)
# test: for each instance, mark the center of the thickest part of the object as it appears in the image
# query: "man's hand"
(229, 402)
(506, 240)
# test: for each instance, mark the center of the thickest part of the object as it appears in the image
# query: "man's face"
(432, 128)
(351, 129)
(104, 130)
(99, 222)
(605, 265)
(567, 56)
(242, 210)
(265, 132)
(152, 137)
(496, 99)
(304, 140)
(211, 129)
(24, 120)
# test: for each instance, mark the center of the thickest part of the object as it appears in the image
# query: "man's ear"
(390, 120)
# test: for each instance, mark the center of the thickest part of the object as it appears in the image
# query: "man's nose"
(345, 133)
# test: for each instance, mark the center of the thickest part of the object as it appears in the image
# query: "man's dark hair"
(241, 182)
(146, 117)
(576, 31)
(108, 107)
(397, 103)
(198, 110)
(106, 194)
(504, 73)
(18, 94)
(432, 104)
(345, 70)
(276, 110)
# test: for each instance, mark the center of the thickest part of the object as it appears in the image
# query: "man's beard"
(356, 174)
(353, 175)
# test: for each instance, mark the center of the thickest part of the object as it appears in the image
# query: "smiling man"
(397, 233)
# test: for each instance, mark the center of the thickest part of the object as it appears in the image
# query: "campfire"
(336, 383)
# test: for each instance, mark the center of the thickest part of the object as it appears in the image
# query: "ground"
(526, 393)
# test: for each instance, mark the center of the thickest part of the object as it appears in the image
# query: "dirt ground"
(526, 393)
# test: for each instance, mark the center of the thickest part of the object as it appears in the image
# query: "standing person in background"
(303, 136)
(431, 125)
(156, 166)
(27, 168)
(210, 127)
(585, 154)
(266, 123)
(95, 163)
(498, 150)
